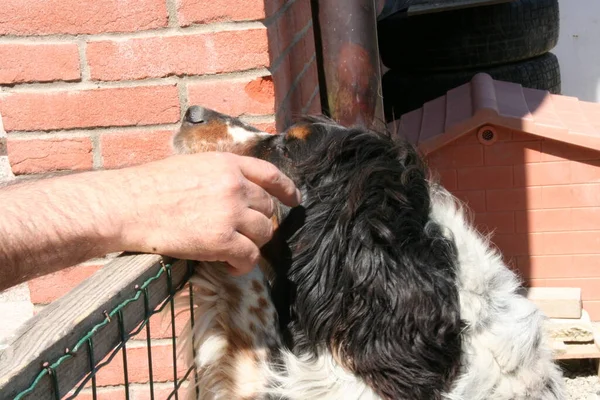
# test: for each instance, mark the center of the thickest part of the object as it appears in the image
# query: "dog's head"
(371, 278)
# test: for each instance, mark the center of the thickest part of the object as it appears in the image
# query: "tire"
(471, 37)
(405, 91)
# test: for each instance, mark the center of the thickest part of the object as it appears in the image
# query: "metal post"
(348, 57)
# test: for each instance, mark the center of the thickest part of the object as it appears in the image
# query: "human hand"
(206, 207)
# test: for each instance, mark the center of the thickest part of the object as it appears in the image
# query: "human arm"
(210, 206)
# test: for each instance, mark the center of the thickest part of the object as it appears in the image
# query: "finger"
(255, 226)
(270, 178)
(259, 200)
(245, 256)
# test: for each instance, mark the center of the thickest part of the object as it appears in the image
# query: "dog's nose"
(195, 115)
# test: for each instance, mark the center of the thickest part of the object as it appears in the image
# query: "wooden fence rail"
(63, 323)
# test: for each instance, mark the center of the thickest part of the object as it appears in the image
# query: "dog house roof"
(486, 101)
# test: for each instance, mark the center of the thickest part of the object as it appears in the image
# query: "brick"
(285, 30)
(474, 199)
(589, 286)
(556, 243)
(282, 78)
(39, 63)
(586, 242)
(514, 199)
(204, 12)
(585, 218)
(556, 302)
(563, 219)
(511, 153)
(309, 83)
(560, 266)
(510, 245)
(137, 363)
(309, 43)
(48, 288)
(161, 391)
(160, 325)
(121, 149)
(235, 96)
(499, 222)
(159, 56)
(593, 309)
(570, 196)
(549, 243)
(281, 31)
(19, 17)
(457, 156)
(536, 283)
(542, 174)
(558, 151)
(301, 14)
(141, 105)
(297, 60)
(268, 127)
(110, 393)
(30, 156)
(485, 178)
(519, 244)
(447, 178)
(315, 106)
(296, 101)
(544, 220)
(585, 172)
(136, 392)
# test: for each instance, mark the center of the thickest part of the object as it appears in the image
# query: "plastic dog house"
(528, 165)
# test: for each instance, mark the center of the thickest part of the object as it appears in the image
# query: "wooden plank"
(430, 6)
(63, 323)
(571, 330)
(579, 351)
(557, 302)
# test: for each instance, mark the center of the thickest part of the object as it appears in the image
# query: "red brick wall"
(293, 60)
(103, 84)
(541, 198)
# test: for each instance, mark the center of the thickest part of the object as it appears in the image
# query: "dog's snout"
(195, 115)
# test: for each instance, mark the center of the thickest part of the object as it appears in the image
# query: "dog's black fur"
(371, 277)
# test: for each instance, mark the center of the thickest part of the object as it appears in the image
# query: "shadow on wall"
(578, 50)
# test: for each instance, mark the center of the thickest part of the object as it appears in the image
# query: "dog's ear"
(373, 276)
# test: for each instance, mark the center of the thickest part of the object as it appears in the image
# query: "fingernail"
(298, 196)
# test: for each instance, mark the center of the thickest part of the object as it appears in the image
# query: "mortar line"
(173, 19)
(169, 31)
(83, 64)
(164, 81)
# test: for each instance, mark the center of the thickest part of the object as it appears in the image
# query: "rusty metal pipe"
(348, 59)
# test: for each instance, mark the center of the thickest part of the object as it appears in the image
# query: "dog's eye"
(284, 151)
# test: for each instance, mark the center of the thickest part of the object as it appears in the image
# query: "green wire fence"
(54, 369)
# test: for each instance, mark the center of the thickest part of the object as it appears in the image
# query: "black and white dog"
(376, 287)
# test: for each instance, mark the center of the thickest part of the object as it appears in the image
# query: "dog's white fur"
(505, 356)
(501, 359)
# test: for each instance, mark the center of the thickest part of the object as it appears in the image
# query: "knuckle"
(226, 235)
(269, 206)
(272, 174)
(254, 256)
(269, 230)
(232, 183)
